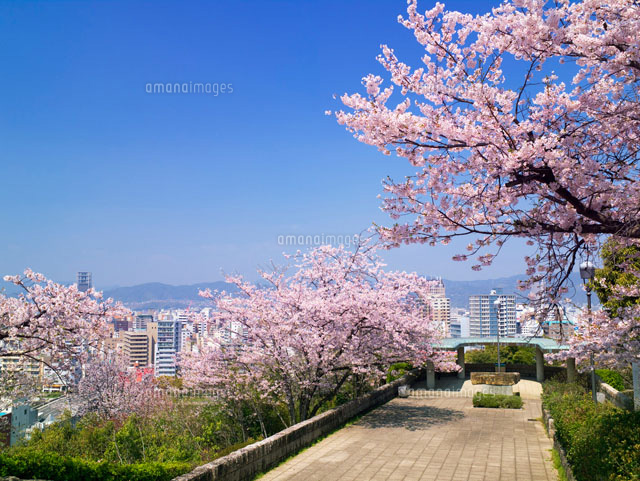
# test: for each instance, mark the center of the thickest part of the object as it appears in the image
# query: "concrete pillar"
(431, 376)
(539, 365)
(571, 369)
(460, 362)
(636, 385)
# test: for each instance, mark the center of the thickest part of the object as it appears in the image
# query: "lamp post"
(587, 273)
(497, 304)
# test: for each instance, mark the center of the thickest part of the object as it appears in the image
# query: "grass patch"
(53, 395)
(555, 457)
(481, 400)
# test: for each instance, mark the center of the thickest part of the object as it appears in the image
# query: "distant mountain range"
(152, 295)
(156, 295)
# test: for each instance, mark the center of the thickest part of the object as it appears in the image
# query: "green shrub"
(480, 356)
(508, 354)
(602, 442)
(481, 400)
(184, 432)
(612, 378)
(397, 370)
(54, 467)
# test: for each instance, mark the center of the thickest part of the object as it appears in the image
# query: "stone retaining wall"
(244, 464)
(615, 397)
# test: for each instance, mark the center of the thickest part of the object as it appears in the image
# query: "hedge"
(481, 400)
(612, 378)
(54, 467)
(602, 442)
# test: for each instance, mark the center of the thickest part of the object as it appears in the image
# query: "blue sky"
(96, 174)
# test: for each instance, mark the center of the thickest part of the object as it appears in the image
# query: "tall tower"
(84, 281)
(439, 306)
(168, 347)
(486, 317)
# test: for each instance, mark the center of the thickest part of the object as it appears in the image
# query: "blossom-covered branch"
(512, 151)
(339, 315)
(111, 389)
(51, 323)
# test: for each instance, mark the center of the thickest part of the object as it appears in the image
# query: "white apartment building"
(168, 347)
(488, 317)
(439, 306)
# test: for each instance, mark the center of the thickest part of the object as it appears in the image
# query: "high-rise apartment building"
(441, 313)
(13, 364)
(233, 333)
(152, 334)
(439, 306)
(84, 281)
(492, 313)
(436, 289)
(141, 320)
(168, 347)
(136, 348)
(121, 324)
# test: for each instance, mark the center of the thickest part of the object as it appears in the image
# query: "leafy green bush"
(508, 354)
(481, 400)
(397, 370)
(186, 431)
(612, 378)
(159, 446)
(602, 442)
(163, 438)
(54, 467)
(480, 356)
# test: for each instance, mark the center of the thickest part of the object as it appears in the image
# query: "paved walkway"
(430, 439)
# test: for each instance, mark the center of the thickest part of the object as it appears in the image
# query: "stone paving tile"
(430, 439)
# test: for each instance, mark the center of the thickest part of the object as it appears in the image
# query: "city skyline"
(290, 240)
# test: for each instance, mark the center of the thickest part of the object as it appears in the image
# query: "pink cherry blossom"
(111, 389)
(333, 316)
(54, 324)
(531, 154)
(523, 122)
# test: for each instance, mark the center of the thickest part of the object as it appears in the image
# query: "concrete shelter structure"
(541, 344)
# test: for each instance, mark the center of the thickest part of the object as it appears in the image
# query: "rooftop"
(545, 344)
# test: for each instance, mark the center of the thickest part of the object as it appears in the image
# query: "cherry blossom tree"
(615, 340)
(613, 332)
(53, 324)
(331, 316)
(112, 389)
(521, 123)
